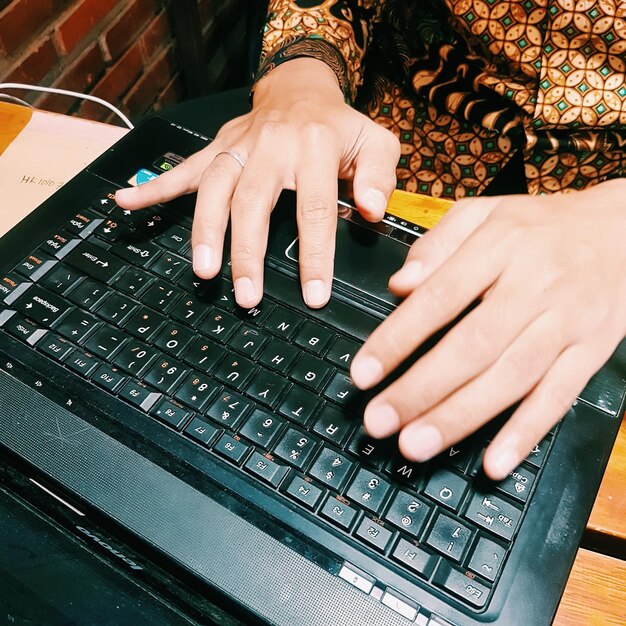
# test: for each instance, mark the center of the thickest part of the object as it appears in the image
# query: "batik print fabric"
(465, 83)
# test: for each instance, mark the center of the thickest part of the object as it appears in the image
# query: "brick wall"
(122, 51)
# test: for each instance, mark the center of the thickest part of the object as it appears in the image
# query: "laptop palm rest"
(161, 509)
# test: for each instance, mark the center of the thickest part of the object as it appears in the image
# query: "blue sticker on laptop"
(141, 177)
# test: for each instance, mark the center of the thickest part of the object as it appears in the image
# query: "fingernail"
(366, 371)
(420, 443)
(503, 462)
(374, 200)
(203, 258)
(315, 293)
(244, 290)
(380, 420)
(409, 273)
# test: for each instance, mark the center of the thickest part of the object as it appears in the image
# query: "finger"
(215, 192)
(429, 252)
(253, 200)
(432, 305)
(468, 349)
(542, 408)
(183, 179)
(375, 173)
(316, 182)
(511, 377)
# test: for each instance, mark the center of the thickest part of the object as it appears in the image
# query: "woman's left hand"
(550, 273)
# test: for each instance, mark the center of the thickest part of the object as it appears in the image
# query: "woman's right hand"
(300, 135)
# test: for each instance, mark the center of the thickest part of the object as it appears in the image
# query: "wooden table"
(596, 590)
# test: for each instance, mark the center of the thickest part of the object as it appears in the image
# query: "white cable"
(74, 94)
(8, 98)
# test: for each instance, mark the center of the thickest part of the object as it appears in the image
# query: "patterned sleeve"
(334, 31)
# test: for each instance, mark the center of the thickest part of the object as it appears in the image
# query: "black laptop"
(169, 458)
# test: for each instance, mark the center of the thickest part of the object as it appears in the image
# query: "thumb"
(375, 173)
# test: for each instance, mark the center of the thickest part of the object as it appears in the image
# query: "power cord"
(65, 92)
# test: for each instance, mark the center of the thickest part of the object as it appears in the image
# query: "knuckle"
(316, 132)
(270, 129)
(317, 209)
(437, 295)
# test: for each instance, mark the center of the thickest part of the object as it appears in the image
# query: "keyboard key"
(201, 431)
(311, 371)
(314, 337)
(331, 468)
(116, 308)
(145, 323)
(41, 306)
(174, 238)
(138, 252)
(111, 231)
(266, 469)
(169, 266)
(189, 311)
(368, 490)
(61, 277)
(54, 346)
(95, 262)
(494, 514)
(109, 377)
(218, 325)
(334, 425)
(461, 585)
(374, 534)
(447, 488)
(403, 471)
(487, 558)
(415, 558)
(374, 452)
(82, 363)
(518, 483)
(342, 352)
(139, 395)
(12, 286)
(136, 357)
(133, 281)
(537, 455)
(256, 314)
(449, 536)
(89, 294)
(235, 371)
(304, 491)
(296, 447)
(283, 322)
(408, 513)
(197, 390)
(262, 428)
(266, 388)
(341, 390)
(203, 354)
(232, 448)
(161, 296)
(171, 413)
(339, 512)
(55, 244)
(36, 265)
(279, 355)
(249, 341)
(174, 338)
(165, 374)
(106, 341)
(77, 325)
(83, 223)
(228, 409)
(460, 456)
(299, 405)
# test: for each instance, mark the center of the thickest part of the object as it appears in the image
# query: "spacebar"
(336, 313)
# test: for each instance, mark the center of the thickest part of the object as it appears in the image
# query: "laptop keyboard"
(113, 298)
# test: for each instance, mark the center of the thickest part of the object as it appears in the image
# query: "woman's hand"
(550, 273)
(299, 135)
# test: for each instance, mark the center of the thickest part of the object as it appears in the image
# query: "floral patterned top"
(466, 83)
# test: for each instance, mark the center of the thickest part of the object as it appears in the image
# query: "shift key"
(95, 261)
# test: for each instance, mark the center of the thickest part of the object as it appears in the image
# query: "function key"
(139, 395)
(171, 413)
(109, 377)
(374, 534)
(494, 514)
(197, 429)
(24, 329)
(232, 448)
(408, 513)
(449, 536)
(283, 322)
(447, 488)
(415, 558)
(342, 352)
(266, 469)
(314, 337)
(462, 585)
(36, 265)
(339, 512)
(487, 558)
(82, 362)
(55, 346)
(304, 491)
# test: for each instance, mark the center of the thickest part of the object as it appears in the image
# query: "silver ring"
(232, 153)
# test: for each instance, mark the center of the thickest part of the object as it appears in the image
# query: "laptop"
(169, 458)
